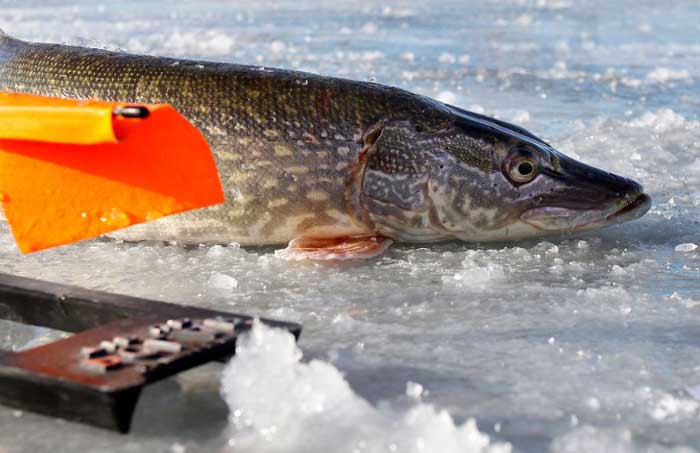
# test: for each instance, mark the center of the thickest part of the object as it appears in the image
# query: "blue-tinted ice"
(580, 344)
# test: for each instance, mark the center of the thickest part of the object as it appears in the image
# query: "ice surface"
(686, 247)
(574, 344)
(222, 282)
(285, 405)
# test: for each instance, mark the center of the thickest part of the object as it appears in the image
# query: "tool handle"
(80, 125)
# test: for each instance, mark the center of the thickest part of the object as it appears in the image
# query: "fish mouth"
(557, 219)
(633, 210)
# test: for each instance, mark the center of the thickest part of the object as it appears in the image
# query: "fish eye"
(525, 168)
(522, 167)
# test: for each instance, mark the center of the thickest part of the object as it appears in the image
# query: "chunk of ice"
(661, 75)
(671, 408)
(414, 390)
(222, 282)
(278, 47)
(447, 58)
(686, 247)
(369, 28)
(521, 117)
(309, 407)
(447, 97)
(476, 108)
(408, 56)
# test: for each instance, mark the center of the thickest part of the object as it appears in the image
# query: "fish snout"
(595, 187)
(585, 197)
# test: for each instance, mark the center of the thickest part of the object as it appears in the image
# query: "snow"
(670, 407)
(686, 247)
(447, 97)
(589, 439)
(662, 75)
(184, 43)
(408, 56)
(414, 390)
(521, 117)
(222, 282)
(573, 344)
(290, 406)
(447, 58)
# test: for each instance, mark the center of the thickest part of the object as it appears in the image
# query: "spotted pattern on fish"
(276, 134)
(312, 157)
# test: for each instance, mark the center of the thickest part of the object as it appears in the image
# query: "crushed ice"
(556, 343)
(283, 404)
(686, 247)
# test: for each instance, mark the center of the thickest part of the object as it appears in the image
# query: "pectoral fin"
(334, 249)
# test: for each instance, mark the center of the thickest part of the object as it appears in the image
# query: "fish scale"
(334, 167)
(283, 140)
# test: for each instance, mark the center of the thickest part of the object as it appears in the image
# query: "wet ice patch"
(283, 404)
(587, 439)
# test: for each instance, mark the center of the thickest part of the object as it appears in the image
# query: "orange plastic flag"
(72, 170)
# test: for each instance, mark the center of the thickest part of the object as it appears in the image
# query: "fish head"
(476, 178)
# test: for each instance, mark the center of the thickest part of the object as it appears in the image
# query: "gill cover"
(408, 183)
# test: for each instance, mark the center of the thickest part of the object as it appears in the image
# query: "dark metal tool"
(123, 344)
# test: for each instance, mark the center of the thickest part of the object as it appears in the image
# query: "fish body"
(306, 156)
(283, 141)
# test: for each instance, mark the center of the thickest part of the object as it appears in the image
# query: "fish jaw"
(556, 219)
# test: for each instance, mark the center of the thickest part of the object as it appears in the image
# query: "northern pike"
(337, 168)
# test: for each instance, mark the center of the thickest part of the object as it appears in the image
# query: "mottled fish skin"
(306, 156)
(283, 141)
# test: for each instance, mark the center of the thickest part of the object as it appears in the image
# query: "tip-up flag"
(72, 170)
